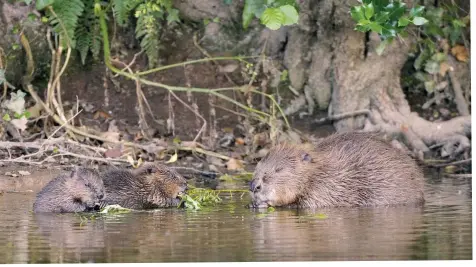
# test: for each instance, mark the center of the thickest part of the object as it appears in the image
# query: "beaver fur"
(347, 169)
(150, 186)
(79, 191)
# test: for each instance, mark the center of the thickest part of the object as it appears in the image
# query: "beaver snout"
(255, 186)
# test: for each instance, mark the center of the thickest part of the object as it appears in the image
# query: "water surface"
(442, 229)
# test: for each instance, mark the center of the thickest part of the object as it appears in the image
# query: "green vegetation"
(197, 198)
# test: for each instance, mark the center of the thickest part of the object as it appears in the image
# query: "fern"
(147, 29)
(87, 32)
(66, 15)
(122, 10)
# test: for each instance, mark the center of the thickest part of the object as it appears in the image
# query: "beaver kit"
(151, 186)
(348, 169)
(79, 191)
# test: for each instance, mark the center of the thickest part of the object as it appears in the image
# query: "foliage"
(272, 13)
(196, 198)
(15, 107)
(114, 209)
(387, 18)
(77, 25)
(440, 33)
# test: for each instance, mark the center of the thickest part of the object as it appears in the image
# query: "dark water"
(442, 229)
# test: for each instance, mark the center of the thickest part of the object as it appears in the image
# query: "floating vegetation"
(269, 210)
(196, 198)
(114, 209)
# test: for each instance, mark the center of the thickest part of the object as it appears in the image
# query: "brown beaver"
(79, 191)
(150, 186)
(347, 169)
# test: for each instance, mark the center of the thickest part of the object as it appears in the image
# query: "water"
(442, 229)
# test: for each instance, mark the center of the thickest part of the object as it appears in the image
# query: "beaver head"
(86, 186)
(164, 184)
(279, 176)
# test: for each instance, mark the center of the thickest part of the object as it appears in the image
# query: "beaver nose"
(101, 196)
(255, 186)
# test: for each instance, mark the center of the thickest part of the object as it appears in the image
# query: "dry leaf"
(460, 52)
(35, 110)
(132, 162)
(111, 136)
(20, 123)
(234, 164)
(102, 114)
(228, 68)
(239, 141)
(173, 158)
(113, 153)
(444, 68)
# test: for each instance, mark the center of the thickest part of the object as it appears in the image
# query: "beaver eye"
(278, 169)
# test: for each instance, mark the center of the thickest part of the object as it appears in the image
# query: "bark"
(344, 61)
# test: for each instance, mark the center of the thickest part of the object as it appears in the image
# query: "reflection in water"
(229, 232)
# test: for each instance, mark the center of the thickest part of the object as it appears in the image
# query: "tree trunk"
(345, 72)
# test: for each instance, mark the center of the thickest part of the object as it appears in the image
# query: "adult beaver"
(79, 191)
(347, 169)
(150, 186)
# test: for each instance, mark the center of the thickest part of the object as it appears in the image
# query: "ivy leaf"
(374, 26)
(290, 15)
(369, 10)
(432, 67)
(419, 21)
(357, 13)
(173, 16)
(403, 21)
(273, 18)
(41, 4)
(416, 11)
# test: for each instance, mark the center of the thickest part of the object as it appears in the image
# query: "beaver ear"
(306, 157)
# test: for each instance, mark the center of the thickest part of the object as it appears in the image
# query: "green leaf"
(251, 8)
(6, 117)
(357, 13)
(173, 16)
(416, 11)
(458, 23)
(375, 27)
(439, 57)
(432, 67)
(41, 4)
(381, 47)
(27, 114)
(273, 18)
(290, 15)
(271, 209)
(369, 10)
(419, 21)
(430, 86)
(320, 216)
(403, 21)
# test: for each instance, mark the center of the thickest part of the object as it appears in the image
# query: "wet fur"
(150, 186)
(79, 191)
(349, 169)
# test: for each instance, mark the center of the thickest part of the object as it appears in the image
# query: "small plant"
(388, 18)
(15, 107)
(272, 13)
(78, 27)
